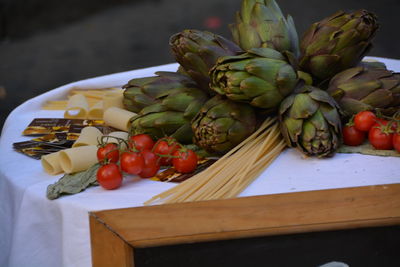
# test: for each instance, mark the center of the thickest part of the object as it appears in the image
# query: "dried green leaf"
(73, 183)
(367, 149)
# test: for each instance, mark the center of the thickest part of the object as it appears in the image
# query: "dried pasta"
(96, 111)
(93, 96)
(78, 158)
(77, 107)
(51, 163)
(233, 172)
(113, 99)
(118, 118)
(88, 136)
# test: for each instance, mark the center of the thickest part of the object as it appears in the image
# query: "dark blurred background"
(45, 44)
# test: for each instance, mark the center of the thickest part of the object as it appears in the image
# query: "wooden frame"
(122, 230)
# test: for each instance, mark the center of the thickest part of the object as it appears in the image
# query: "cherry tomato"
(380, 139)
(109, 176)
(108, 153)
(396, 141)
(352, 136)
(166, 146)
(185, 161)
(151, 164)
(364, 120)
(132, 162)
(141, 142)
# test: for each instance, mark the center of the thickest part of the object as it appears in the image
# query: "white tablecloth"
(35, 231)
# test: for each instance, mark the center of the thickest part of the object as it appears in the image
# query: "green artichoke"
(222, 124)
(198, 51)
(261, 77)
(142, 92)
(365, 87)
(310, 121)
(260, 23)
(337, 43)
(174, 106)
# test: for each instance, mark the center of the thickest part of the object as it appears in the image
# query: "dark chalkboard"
(369, 247)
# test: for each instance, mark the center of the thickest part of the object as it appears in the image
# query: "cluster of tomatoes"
(382, 133)
(143, 157)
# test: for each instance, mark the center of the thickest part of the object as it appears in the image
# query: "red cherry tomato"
(132, 162)
(151, 164)
(141, 142)
(380, 139)
(396, 141)
(166, 147)
(109, 176)
(364, 120)
(185, 161)
(108, 153)
(352, 136)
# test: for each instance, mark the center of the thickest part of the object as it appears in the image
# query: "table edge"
(276, 214)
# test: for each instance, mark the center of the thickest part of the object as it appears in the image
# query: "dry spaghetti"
(233, 172)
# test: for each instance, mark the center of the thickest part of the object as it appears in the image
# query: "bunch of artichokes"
(223, 87)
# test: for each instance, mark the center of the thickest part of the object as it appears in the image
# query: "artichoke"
(260, 23)
(310, 121)
(174, 106)
(142, 92)
(337, 43)
(365, 87)
(222, 124)
(261, 77)
(198, 51)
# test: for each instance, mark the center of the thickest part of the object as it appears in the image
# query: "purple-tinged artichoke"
(142, 92)
(366, 87)
(261, 77)
(310, 121)
(337, 43)
(222, 124)
(198, 51)
(166, 105)
(260, 23)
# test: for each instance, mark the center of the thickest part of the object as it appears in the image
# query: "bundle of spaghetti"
(93, 96)
(233, 172)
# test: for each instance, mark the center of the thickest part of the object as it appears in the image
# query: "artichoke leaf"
(331, 115)
(267, 53)
(250, 39)
(294, 128)
(263, 68)
(352, 88)
(267, 100)
(379, 98)
(309, 132)
(303, 106)
(254, 86)
(324, 65)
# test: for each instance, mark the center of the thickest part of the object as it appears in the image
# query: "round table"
(36, 231)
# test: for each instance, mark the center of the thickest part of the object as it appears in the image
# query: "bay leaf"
(367, 149)
(73, 183)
